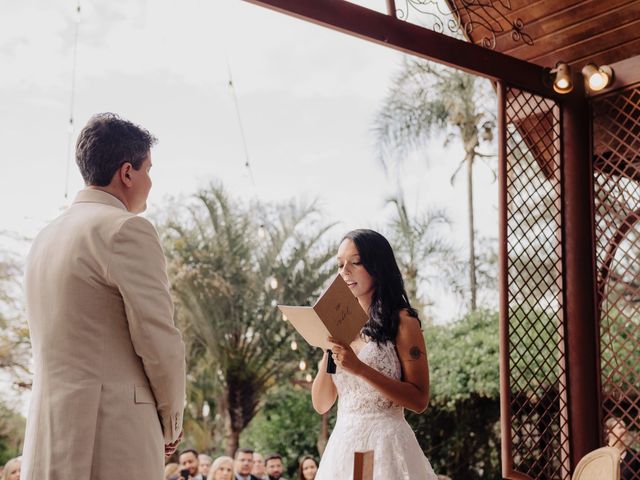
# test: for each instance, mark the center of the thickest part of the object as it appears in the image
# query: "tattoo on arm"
(415, 352)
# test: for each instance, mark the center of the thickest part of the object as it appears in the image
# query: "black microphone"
(331, 365)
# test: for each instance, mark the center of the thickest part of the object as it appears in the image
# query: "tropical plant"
(425, 255)
(425, 100)
(230, 265)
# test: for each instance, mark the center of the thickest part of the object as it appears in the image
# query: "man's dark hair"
(273, 456)
(189, 450)
(242, 450)
(106, 143)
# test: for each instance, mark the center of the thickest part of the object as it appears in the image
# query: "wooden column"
(581, 322)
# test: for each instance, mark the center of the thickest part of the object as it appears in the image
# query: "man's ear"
(125, 174)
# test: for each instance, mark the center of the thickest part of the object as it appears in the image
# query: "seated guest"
(222, 469)
(258, 466)
(243, 464)
(11, 470)
(189, 462)
(307, 468)
(204, 464)
(274, 467)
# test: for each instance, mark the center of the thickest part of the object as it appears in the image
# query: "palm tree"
(427, 99)
(15, 346)
(423, 253)
(230, 265)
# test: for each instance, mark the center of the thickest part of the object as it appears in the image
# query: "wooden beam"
(413, 39)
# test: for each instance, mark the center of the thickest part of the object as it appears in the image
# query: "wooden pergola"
(572, 159)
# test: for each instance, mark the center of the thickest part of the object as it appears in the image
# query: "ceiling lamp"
(561, 76)
(597, 78)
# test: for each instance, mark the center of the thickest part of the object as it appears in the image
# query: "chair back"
(601, 464)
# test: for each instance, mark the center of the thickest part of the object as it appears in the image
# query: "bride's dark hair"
(389, 295)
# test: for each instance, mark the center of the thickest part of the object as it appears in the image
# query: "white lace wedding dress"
(369, 421)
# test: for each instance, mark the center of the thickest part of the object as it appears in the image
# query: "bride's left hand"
(344, 356)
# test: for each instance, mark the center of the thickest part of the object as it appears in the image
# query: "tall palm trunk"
(472, 240)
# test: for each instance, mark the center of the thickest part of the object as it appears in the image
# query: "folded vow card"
(336, 313)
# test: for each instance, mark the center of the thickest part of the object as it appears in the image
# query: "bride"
(380, 373)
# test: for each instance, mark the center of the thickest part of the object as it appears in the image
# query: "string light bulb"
(598, 78)
(308, 377)
(294, 345)
(302, 365)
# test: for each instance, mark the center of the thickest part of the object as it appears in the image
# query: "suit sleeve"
(138, 269)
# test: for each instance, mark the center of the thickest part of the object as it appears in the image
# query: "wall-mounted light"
(597, 78)
(561, 76)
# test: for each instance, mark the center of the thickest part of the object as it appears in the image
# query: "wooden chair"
(363, 465)
(601, 464)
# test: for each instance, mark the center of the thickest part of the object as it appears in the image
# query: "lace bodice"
(367, 420)
(355, 395)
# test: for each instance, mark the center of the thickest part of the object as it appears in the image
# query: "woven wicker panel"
(616, 147)
(539, 424)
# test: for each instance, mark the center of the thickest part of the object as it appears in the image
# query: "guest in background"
(619, 437)
(274, 467)
(189, 461)
(11, 470)
(204, 464)
(171, 471)
(243, 464)
(307, 468)
(221, 469)
(258, 466)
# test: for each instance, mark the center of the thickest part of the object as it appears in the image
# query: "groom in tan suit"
(109, 384)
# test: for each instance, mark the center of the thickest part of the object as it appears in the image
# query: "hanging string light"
(232, 87)
(302, 365)
(72, 99)
(294, 345)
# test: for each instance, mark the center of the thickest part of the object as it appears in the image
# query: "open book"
(336, 313)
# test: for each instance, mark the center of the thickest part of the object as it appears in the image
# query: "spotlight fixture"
(561, 76)
(597, 78)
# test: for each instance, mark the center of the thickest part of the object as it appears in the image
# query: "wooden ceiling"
(573, 31)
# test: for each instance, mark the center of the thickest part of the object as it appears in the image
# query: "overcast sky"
(307, 98)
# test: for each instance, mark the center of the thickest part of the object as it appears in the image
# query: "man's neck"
(111, 190)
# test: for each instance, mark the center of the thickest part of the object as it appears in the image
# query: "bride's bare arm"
(323, 390)
(412, 391)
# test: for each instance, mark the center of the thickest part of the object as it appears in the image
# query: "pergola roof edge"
(387, 30)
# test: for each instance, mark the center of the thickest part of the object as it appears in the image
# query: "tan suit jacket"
(109, 365)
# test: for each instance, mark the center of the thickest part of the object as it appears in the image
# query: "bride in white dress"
(382, 372)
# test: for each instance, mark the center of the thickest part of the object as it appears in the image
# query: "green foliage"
(12, 427)
(230, 264)
(463, 359)
(287, 424)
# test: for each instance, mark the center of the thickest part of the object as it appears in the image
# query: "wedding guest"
(171, 471)
(189, 461)
(619, 437)
(221, 469)
(258, 466)
(307, 468)
(204, 464)
(11, 470)
(273, 466)
(243, 464)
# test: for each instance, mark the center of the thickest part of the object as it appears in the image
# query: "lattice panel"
(539, 419)
(616, 148)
